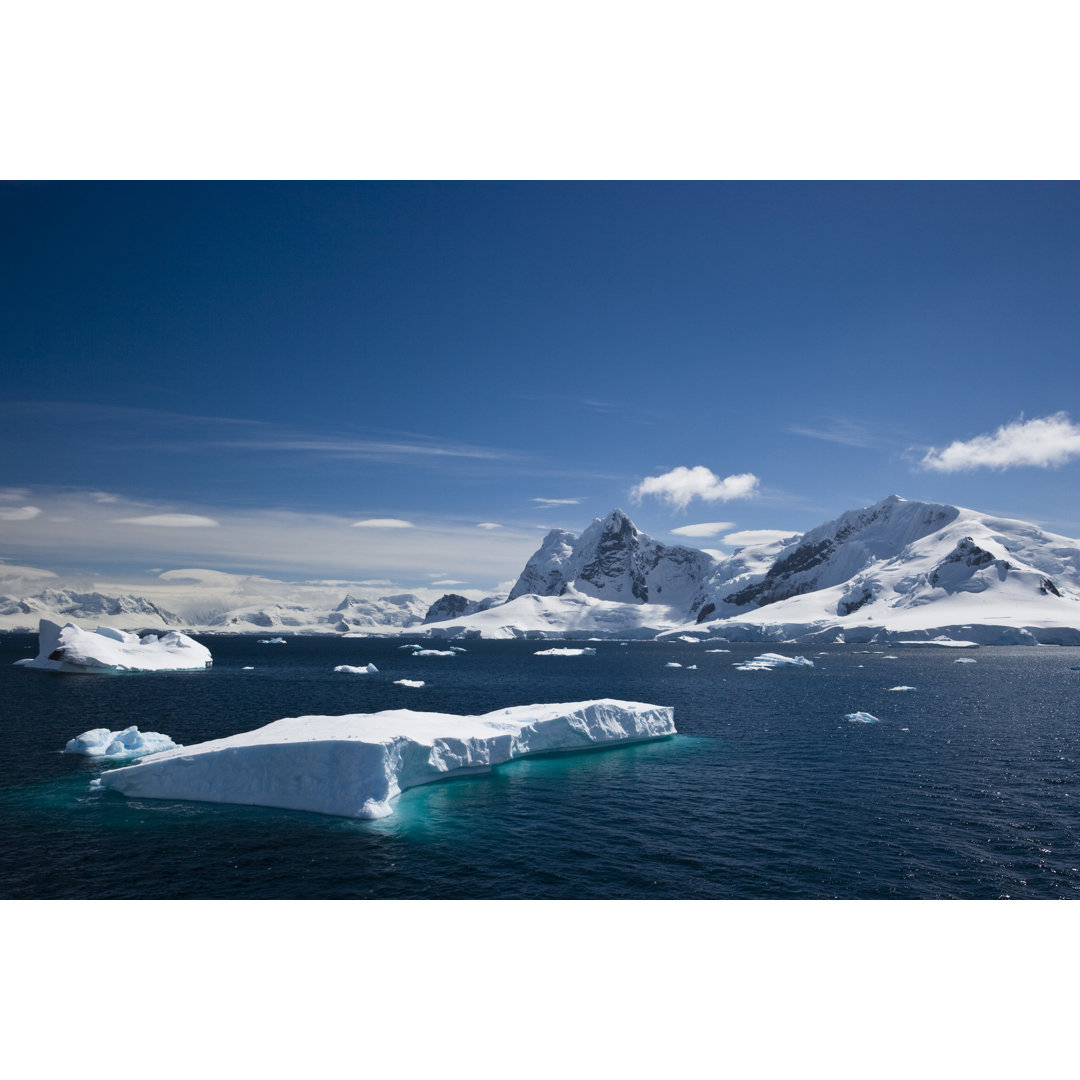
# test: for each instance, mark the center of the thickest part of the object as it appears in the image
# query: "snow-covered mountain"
(612, 560)
(897, 567)
(903, 569)
(63, 606)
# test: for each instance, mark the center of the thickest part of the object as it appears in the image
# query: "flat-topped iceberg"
(354, 765)
(106, 651)
(566, 652)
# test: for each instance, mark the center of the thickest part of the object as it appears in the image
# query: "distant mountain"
(62, 606)
(896, 570)
(897, 567)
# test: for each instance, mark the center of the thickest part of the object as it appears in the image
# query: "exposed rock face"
(836, 551)
(454, 606)
(613, 560)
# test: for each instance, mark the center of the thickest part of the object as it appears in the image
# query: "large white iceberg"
(354, 765)
(106, 651)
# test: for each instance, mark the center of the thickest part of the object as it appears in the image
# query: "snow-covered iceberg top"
(107, 651)
(566, 652)
(354, 765)
(350, 669)
(118, 745)
(770, 660)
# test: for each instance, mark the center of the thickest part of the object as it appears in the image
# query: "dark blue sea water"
(968, 787)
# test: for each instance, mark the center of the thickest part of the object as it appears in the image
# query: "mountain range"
(897, 570)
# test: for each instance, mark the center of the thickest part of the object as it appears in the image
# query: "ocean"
(966, 787)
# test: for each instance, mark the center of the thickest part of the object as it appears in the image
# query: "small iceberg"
(119, 745)
(272, 641)
(410, 647)
(862, 718)
(435, 652)
(671, 663)
(415, 683)
(771, 661)
(965, 660)
(356, 765)
(105, 651)
(897, 689)
(565, 652)
(348, 669)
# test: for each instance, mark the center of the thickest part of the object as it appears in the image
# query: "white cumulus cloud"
(22, 513)
(1043, 443)
(706, 528)
(681, 484)
(174, 521)
(383, 523)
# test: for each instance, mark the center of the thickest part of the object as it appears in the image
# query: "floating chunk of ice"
(355, 765)
(410, 646)
(769, 661)
(862, 718)
(565, 652)
(118, 745)
(348, 669)
(965, 660)
(894, 689)
(435, 652)
(416, 683)
(112, 652)
(671, 663)
(272, 641)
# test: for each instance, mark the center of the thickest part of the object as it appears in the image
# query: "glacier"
(106, 651)
(355, 765)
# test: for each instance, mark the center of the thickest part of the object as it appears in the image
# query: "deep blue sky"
(445, 354)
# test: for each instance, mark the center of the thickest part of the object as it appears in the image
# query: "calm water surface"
(967, 787)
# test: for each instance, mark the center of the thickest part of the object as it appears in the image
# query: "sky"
(410, 383)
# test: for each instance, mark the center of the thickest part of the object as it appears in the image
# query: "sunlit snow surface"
(770, 661)
(349, 669)
(566, 652)
(862, 718)
(129, 743)
(354, 765)
(108, 652)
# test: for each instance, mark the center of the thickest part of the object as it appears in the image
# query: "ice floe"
(769, 661)
(119, 745)
(273, 641)
(109, 652)
(965, 660)
(415, 683)
(436, 652)
(348, 669)
(895, 689)
(862, 718)
(355, 765)
(565, 652)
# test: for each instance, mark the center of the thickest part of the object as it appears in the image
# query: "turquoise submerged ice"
(355, 765)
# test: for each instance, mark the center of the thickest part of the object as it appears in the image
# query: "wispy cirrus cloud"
(681, 485)
(844, 432)
(1042, 443)
(383, 523)
(548, 503)
(171, 521)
